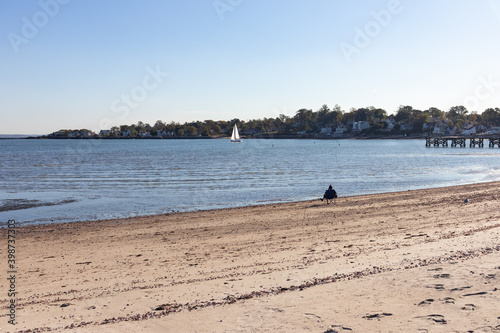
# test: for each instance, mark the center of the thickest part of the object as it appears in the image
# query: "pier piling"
(460, 141)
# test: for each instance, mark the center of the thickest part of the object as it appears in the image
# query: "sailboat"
(235, 137)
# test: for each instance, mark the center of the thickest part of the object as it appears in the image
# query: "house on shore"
(340, 130)
(86, 133)
(406, 128)
(164, 134)
(358, 126)
(493, 130)
(104, 132)
(127, 133)
(73, 134)
(469, 129)
(325, 131)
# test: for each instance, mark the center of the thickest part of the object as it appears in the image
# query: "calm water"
(99, 179)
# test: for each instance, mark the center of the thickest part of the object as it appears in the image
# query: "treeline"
(306, 121)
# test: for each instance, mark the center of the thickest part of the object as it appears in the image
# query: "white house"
(126, 133)
(493, 130)
(164, 134)
(390, 125)
(326, 130)
(86, 133)
(469, 129)
(358, 126)
(440, 129)
(429, 126)
(104, 132)
(74, 134)
(406, 127)
(452, 130)
(340, 130)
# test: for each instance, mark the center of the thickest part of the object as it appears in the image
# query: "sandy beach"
(413, 261)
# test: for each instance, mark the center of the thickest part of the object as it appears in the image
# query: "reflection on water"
(98, 179)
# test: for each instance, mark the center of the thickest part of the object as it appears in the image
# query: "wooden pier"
(493, 142)
(460, 141)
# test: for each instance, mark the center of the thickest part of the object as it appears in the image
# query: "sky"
(73, 64)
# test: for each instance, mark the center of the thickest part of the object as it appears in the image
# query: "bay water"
(44, 181)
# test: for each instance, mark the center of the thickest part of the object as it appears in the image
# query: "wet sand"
(17, 204)
(413, 261)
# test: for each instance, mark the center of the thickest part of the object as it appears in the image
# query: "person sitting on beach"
(330, 194)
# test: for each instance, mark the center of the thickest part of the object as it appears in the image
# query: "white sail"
(235, 137)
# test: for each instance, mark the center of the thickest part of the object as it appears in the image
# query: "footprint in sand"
(377, 315)
(446, 300)
(476, 294)
(437, 318)
(426, 302)
(449, 300)
(437, 286)
(442, 276)
(469, 307)
(485, 329)
(435, 269)
(337, 329)
(461, 288)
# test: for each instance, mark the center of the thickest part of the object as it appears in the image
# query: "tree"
(191, 130)
(349, 116)
(216, 129)
(362, 114)
(457, 114)
(140, 127)
(379, 115)
(304, 119)
(204, 130)
(282, 117)
(491, 116)
(420, 120)
(436, 113)
(172, 127)
(405, 114)
(159, 125)
(283, 123)
(323, 115)
(337, 115)
(474, 117)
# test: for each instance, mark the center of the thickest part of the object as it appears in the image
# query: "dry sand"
(415, 261)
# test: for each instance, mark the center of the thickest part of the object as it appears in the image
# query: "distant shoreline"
(281, 137)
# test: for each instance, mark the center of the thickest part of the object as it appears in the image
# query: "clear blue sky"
(89, 63)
